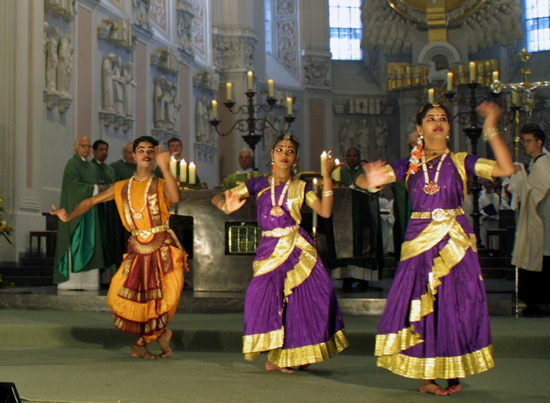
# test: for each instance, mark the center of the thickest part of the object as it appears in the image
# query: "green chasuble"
(82, 234)
(123, 169)
(349, 175)
(108, 217)
(235, 179)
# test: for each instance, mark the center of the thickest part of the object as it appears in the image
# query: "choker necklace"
(142, 178)
(434, 150)
(138, 215)
(276, 209)
(431, 187)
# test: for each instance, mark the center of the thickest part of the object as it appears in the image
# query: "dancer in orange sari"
(144, 293)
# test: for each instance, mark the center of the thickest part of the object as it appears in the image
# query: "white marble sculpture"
(347, 137)
(381, 139)
(202, 120)
(129, 89)
(158, 102)
(51, 60)
(118, 87)
(107, 83)
(64, 65)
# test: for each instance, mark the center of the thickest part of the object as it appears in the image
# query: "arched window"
(537, 25)
(345, 29)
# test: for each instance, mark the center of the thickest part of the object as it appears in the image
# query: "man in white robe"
(532, 246)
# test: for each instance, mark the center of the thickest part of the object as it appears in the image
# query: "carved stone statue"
(158, 102)
(64, 64)
(172, 106)
(347, 137)
(129, 89)
(202, 121)
(381, 138)
(118, 87)
(107, 82)
(51, 60)
(363, 139)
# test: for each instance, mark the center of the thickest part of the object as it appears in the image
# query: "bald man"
(79, 249)
(126, 166)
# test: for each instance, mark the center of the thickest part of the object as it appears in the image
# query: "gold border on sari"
(484, 168)
(459, 160)
(293, 357)
(311, 197)
(256, 343)
(439, 367)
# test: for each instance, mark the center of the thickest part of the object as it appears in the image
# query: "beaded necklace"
(138, 215)
(277, 210)
(431, 187)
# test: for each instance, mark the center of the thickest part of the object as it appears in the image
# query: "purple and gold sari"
(436, 320)
(290, 306)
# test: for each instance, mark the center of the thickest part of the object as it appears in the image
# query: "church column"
(408, 108)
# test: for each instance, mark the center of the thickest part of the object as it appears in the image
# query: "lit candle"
(192, 173)
(450, 81)
(183, 171)
(495, 75)
(472, 72)
(215, 109)
(229, 87)
(515, 98)
(323, 159)
(250, 76)
(289, 105)
(431, 92)
(337, 173)
(173, 167)
(270, 89)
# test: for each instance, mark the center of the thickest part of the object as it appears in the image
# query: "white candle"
(449, 81)
(315, 186)
(183, 171)
(192, 173)
(495, 75)
(323, 159)
(270, 89)
(215, 109)
(173, 167)
(472, 72)
(250, 76)
(431, 92)
(337, 173)
(229, 87)
(289, 105)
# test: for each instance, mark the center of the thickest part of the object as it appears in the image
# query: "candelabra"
(251, 124)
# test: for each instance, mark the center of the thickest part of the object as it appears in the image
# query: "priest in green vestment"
(126, 166)
(108, 214)
(79, 249)
(352, 169)
(246, 161)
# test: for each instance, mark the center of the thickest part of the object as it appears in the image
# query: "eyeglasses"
(528, 141)
(84, 145)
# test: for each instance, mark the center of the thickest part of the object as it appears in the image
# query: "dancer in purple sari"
(290, 309)
(436, 320)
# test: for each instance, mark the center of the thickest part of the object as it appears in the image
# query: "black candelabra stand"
(251, 125)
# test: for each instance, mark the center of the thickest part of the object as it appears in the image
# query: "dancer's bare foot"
(433, 388)
(269, 366)
(142, 352)
(164, 343)
(453, 386)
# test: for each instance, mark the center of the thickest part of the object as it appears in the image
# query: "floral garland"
(5, 229)
(414, 160)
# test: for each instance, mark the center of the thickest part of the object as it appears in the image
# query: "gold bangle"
(328, 193)
(488, 134)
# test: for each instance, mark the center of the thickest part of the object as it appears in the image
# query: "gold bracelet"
(328, 193)
(488, 134)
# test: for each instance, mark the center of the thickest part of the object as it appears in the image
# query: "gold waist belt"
(146, 232)
(438, 214)
(279, 232)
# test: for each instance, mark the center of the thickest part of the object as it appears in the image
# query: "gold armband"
(488, 134)
(328, 193)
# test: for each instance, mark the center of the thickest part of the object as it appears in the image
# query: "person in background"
(532, 246)
(352, 168)
(126, 166)
(79, 247)
(246, 162)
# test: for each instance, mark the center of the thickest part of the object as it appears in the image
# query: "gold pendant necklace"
(276, 209)
(138, 215)
(431, 187)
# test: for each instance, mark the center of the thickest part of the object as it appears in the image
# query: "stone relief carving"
(206, 80)
(158, 13)
(203, 129)
(286, 7)
(287, 44)
(62, 8)
(141, 13)
(166, 60)
(185, 17)
(233, 52)
(166, 107)
(58, 69)
(117, 32)
(381, 139)
(316, 71)
(198, 27)
(117, 92)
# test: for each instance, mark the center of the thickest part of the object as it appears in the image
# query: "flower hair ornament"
(416, 156)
